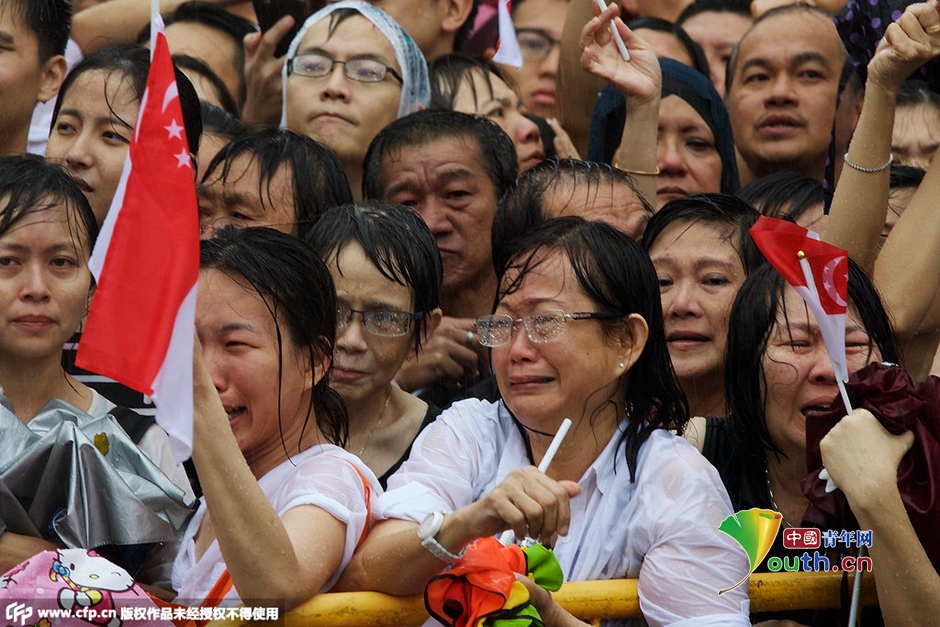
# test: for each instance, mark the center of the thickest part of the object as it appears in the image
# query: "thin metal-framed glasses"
(382, 322)
(541, 326)
(534, 43)
(363, 70)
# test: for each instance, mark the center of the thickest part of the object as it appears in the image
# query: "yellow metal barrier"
(588, 600)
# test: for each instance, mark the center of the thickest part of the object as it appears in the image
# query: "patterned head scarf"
(415, 88)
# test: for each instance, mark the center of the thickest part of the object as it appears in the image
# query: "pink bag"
(74, 587)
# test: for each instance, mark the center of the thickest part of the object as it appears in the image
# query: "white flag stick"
(616, 33)
(508, 535)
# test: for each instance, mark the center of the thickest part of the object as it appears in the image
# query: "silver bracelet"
(881, 168)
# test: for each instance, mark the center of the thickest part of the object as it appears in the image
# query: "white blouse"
(662, 529)
(324, 476)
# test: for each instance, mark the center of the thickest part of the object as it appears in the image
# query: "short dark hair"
(186, 62)
(398, 243)
(132, 63)
(905, 176)
(738, 7)
(319, 180)
(915, 92)
(699, 60)
(755, 311)
(49, 20)
(497, 154)
(719, 209)
(297, 289)
(783, 194)
(619, 277)
(448, 73)
(220, 122)
(29, 184)
(522, 208)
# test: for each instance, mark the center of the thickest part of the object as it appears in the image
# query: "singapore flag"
(146, 261)
(817, 271)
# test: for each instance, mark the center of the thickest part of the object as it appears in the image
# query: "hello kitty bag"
(74, 587)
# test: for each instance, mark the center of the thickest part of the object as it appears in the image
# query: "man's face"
(445, 182)
(717, 32)
(421, 19)
(210, 45)
(782, 99)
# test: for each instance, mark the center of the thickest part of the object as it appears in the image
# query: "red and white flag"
(507, 46)
(146, 262)
(818, 271)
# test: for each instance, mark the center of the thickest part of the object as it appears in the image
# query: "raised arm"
(862, 458)
(861, 195)
(268, 557)
(640, 81)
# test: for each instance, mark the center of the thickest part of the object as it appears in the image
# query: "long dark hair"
(619, 277)
(296, 287)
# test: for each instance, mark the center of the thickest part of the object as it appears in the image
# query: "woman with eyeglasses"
(577, 333)
(387, 273)
(350, 71)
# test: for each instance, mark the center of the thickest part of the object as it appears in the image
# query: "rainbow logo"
(755, 530)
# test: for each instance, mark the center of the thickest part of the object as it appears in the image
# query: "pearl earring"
(621, 365)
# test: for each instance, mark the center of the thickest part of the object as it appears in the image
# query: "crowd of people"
(409, 277)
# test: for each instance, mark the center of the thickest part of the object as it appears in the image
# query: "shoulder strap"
(135, 425)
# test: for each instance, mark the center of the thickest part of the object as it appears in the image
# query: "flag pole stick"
(154, 14)
(507, 536)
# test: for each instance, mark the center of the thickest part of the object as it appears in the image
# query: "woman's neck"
(366, 416)
(585, 441)
(706, 395)
(32, 384)
(783, 487)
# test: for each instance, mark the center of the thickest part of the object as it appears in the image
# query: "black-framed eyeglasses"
(360, 70)
(383, 322)
(535, 44)
(541, 326)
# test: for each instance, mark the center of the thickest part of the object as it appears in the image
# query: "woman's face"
(334, 109)
(503, 106)
(92, 133)
(239, 345)
(699, 275)
(686, 153)
(45, 283)
(540, 22)
(571, 377)
(800, 380)
(365, 363)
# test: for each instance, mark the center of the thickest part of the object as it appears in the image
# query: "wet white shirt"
(662, 529)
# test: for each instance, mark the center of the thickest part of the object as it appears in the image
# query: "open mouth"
(235, 412)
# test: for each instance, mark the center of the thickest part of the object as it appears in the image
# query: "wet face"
(501, 105)
(445, 182)
(699, 275)
(45, 283)
(542, 383)
(92, 133)
(717, 32)
(687, 155)
(800, 380)
(916, 135)
(365, 363)
(782, 100)
(239, 341)
(540, 22)
(335, 110)
(243, 200)
(666, 45)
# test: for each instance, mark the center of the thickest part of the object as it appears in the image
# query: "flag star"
(183, 159)
(175, 130)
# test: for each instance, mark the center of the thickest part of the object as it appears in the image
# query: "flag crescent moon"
(829, 281)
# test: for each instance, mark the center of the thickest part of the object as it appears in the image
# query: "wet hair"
(618, 276)
(714, 209)
(523, 208)
(783, 194)
(29, 184)
(753, 317)
(398, 243)
(224, 96)
(216, 17)
(319, 181)
(496, 151)
(905, 176)
(296, 287)
(131, 63)
(916, 92)
(50, 21)
(450, 71)
(217, 121)
(738, 7)
(798, 7)
(699, 60)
